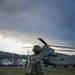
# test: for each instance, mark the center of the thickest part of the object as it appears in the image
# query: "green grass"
(47, 71)
(12, 71)
(60, 71)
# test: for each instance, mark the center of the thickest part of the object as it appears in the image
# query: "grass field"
(47, 71)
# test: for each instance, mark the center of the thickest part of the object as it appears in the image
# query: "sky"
(23, 21)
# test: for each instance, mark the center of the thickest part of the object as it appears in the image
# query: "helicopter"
(50, 57)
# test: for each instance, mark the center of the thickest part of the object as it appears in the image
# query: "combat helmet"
(37, 49)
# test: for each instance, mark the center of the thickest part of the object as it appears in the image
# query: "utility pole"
(12, 58)
(28, 55)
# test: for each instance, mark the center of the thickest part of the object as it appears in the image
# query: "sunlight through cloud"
(12, 46)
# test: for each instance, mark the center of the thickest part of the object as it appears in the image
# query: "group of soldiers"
(34, 65)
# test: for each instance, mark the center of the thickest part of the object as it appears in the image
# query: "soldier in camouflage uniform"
(34, 64)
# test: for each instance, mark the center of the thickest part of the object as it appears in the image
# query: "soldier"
(34, 64)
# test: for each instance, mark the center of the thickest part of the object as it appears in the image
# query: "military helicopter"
(50, 57)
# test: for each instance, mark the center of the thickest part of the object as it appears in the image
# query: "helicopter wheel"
(66, 66)
(73, 65)
(46, 65)
(54, 66)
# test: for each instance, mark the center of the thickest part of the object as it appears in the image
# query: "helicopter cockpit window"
(50, 54)
(68, 57)
(44, 47)
(55, 55)
(50, 57)
(62, 59)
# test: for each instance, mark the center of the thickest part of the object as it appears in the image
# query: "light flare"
(7, 45)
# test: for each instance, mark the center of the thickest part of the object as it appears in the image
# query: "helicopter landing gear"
(46, 65)
(66, 66)
(54, 66)
(73, 65)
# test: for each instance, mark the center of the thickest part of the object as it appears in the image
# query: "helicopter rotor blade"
(65, 50)
(62, 47)
(55, 45)
(28, 47)
(43, 41)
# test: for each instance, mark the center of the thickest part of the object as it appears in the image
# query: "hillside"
(6, 55)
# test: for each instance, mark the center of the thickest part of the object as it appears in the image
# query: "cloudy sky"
(23, 21)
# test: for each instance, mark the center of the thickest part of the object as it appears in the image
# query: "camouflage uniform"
(34, 65)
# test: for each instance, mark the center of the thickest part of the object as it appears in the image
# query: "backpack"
(33, 65)
(30, 65)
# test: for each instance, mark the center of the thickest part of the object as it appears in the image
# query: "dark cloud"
(1, 1)
(15, 6)
(52, 19)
